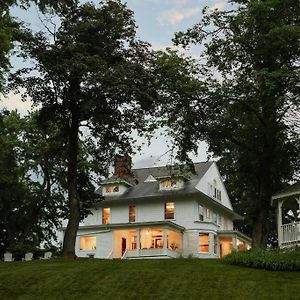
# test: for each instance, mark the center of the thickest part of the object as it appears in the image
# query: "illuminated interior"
(105, 215)
(88, 243)
(203, 242)
(169, 183)
(112, 189)
(169, 210)
(131, 214)
(150, 238)
(225, 246)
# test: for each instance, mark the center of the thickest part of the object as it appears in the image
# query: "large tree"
(241, 97)
(93, 78)
(31, 194)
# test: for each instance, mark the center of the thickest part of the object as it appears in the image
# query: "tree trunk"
(74, 201)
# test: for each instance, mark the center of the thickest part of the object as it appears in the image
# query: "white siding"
(212, 175)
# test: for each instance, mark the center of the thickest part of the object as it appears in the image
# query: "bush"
(275, 260)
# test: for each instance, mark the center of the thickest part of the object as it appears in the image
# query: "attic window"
(170, 184)
(112, 189)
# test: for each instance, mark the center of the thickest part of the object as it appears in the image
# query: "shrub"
(275, 260)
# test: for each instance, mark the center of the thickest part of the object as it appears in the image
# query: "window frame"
(132, 215)
(103, 216)
(166, 212)
(204, 244)
(86, 237)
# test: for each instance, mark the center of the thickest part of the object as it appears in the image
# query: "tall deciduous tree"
(94, 80)
(244, 102)
(31, 195)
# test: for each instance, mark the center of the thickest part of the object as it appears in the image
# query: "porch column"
(138, 241)
(218, 246)
(211, 243)
(165, 242)
(279, 221)
(234, 243)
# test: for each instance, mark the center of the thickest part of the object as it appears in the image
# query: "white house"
(288, 215)
(161, 212)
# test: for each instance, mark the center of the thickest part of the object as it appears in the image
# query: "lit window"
(131, 214)
(169, 183)
(88, 243)
(105, 215)
(207, 213)
(204, 242)
(200, 211)
(112, 189)
(169, 210)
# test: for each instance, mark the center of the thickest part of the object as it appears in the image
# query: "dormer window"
(112, 189)
(169, 184)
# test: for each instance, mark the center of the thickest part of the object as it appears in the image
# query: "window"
(204, 242)
(207, 213)
(210, 189)
(219, 197)
(169, 184)
(169, 210)
(225, 224)
(220, 219)
(215, 218)
(201, 212)
(131, 214)
(112, 189)
(105, 215)
(87, 243)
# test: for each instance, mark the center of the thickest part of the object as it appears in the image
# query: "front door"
(123, 245)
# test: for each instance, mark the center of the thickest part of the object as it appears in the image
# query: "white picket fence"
(290, 234)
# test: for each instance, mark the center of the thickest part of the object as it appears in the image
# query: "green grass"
(143, 279)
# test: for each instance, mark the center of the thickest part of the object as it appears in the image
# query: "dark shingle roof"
(291, 190)
(151, 189)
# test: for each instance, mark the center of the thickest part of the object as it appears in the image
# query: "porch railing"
(290, 233)
(152, 252)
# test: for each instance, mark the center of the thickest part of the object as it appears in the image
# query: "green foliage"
(31, 193)
(274, 260)
(246, 103)
(87, 79)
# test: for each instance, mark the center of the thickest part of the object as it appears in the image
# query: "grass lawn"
(143, 279)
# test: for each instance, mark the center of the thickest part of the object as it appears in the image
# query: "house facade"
(161, 212)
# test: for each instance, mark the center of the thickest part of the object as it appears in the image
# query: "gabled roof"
(151, 188)
(289, 191)
(200, 169)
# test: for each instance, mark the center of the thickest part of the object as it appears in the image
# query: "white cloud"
(220, 5)
(14, 102)
(174, 16)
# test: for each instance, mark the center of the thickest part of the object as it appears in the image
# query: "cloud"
(220, 5)
(14, 102)
(177, 15)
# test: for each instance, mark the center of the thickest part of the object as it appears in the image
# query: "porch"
(151, 242)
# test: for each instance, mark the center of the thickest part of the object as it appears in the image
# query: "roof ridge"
(156, 167)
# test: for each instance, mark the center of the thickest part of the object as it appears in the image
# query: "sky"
(157, 21)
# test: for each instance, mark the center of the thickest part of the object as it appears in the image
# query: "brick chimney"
(123, 166)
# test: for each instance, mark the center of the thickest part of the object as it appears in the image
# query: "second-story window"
(169, 210)
(105, 215)
(207, 213)
(201, 212)
(131, 214)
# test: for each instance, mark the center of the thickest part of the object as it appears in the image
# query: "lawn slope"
(142, 279)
